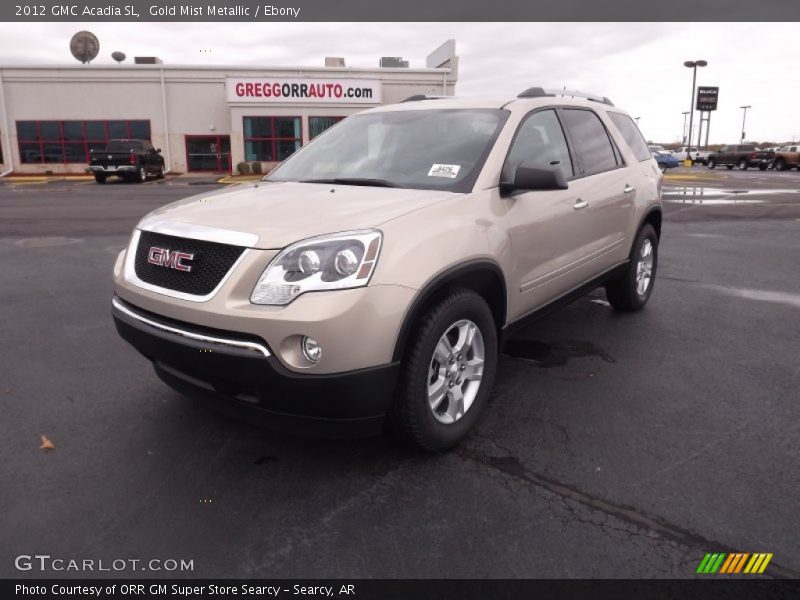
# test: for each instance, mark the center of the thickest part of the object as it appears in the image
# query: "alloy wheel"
(644, 268)
(456, 371)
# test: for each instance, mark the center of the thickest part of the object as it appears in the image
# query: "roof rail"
(418, 97)
(537, 92)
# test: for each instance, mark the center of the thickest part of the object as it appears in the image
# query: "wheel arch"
(483, 276)
(654, 217)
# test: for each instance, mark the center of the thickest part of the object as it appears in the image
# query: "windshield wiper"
(356, 181)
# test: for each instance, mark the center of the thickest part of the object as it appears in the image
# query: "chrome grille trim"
(129, 273)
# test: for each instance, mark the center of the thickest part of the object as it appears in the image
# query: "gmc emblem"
(172, 259)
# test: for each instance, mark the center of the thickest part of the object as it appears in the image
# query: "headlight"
(329, 262)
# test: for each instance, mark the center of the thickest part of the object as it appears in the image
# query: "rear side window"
(632, 136)
(541, 140)
(594, 147)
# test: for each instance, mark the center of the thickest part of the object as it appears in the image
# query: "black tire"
(141, 175)
(100, 178)
(622, 293)
(712, 163)
(160, 174)
(742, 164)
(762, 167)
(729, 167)
(780, 165)
(411, 417)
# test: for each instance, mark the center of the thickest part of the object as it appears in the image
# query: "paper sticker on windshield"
(449, 171)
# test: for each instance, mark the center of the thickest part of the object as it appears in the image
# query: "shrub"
(243, 168)
(255, 168)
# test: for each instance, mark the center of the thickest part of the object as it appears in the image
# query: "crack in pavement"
(511, 466)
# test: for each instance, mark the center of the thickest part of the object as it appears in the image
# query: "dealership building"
(203, 118)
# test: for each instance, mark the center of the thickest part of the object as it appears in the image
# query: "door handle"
(628, 188)
(579, 204)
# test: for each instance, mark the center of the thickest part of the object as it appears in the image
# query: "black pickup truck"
(742, 156)
(132, 160)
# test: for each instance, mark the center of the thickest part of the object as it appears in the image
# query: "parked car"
(132, 160)
(375, 274)
(742, 156)
(787, 157)
(691, 152)
(665, 160)
(654, 148)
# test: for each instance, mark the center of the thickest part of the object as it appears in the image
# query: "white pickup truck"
(692, 152)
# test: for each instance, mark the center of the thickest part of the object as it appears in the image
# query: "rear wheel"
(743, 164)
(160, 174)
(100, 178)
(141, 175)
(448, 372)
(632, 290)
(762, 167)
(712, 163)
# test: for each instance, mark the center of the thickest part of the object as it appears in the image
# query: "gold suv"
(371, 278)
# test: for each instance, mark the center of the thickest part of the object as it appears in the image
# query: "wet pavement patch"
(709, 195)
(554, 353)
(44, 242)
(787, 298)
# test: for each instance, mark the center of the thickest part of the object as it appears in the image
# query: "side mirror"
(157, 150)
(532, 176)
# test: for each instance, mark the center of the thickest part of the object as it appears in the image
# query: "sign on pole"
(707, 98)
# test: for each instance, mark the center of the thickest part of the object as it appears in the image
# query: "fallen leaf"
(47, 444)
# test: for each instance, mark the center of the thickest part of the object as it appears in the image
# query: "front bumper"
(240, 374)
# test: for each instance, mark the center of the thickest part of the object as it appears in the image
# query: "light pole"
(637, 120)
(692, 64)
(684, 127)
(744, 118)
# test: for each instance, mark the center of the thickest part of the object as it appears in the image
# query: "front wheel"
(743, 164)
(100, 178)
(632, 290)
(712, 163)
(160, 174)
(780, 165)
(448, 372)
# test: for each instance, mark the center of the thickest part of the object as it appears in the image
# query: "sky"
(638, 65)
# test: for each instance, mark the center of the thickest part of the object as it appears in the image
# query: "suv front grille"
(211, 262)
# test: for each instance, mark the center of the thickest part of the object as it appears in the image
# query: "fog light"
(311, 349)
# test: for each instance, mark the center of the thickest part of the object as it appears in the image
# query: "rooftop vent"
(334, 61)
(147, 60)
(393, 62)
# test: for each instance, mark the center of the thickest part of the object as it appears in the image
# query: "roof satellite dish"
(118, 56)
(84, 46)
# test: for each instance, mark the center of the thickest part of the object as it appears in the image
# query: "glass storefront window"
(71, 141)
(270, 139)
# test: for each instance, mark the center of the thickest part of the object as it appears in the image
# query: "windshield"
(424, 149)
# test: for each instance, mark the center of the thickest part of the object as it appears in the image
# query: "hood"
(281, 213)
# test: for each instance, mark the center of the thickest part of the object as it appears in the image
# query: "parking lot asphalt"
(614, 445)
